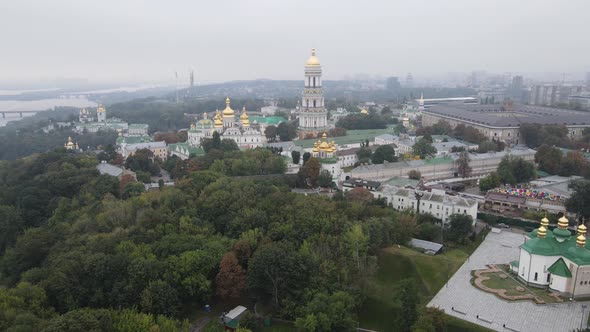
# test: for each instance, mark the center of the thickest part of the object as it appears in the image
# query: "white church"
(556, 259)
(227, 126)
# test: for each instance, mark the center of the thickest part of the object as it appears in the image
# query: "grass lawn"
(380, 311)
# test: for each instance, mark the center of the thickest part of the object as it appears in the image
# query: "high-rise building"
(313, 116)
(516, 90)
(392, 83)
(409, 81)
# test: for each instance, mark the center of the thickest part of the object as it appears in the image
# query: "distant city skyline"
(137, 41)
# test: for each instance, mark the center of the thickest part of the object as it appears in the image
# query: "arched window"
(548, 277)
(536, 275)
(314, 103)
(314, 82)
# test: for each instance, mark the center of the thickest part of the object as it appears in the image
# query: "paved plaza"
(469, 303)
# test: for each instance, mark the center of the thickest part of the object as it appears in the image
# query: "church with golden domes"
(325, 152)
(313, 116)
(228, 125)
(556, 259)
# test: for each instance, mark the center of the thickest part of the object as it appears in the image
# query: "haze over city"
(137, 41)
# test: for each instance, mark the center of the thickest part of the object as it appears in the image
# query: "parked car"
(503, 225)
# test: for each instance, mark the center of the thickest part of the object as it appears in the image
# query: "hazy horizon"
(237, 40)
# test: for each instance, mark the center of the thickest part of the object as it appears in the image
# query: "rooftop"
(352, 137)
(495, 116)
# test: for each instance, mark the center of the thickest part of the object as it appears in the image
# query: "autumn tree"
(359, 195)
(231, 279)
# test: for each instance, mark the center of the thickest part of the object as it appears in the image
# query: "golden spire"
(313, 60)
(244, 118)
(324, 135)
(581, 241)
(582, 229)
(228, 112)
(217, 120)
(563, 223)
(545, 222)
(541, 232)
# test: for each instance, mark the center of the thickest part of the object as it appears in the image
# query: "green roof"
(332, 160)
(185, 146)
(560, 268)
(514, 263)
(270, 120)
(550, 246)
(352, 136)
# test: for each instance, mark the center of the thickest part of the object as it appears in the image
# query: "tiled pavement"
(493, 312)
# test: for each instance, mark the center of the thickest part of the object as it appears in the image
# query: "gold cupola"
(581, 239)
(364, 112)
(563, 223)
(217, 120)
(228, 112)
(244, 118)
(545, 222)
(313, 60)
(541, 232)
(582, 229)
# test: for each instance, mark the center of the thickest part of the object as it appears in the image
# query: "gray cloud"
(227, 40)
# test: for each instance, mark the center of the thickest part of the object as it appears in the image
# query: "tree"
(271, 133)
(383, 153)
(461, 227)
(364, 154)
(277, 269)
(306, 156)
(312, 171)
(142, 160)
(325, 179)
(414, 175)
(430, 319)
(407, 295)
(328, 312)
(229, 145)
(548, 158)
(132, 189)
(424, 148)
(295, 155)
(463, 167)
(515, 170)
(11, 225)
(159, 298)
(489, 182)
(579, 201)
(231, 279)
(106, 184)
(359, 195)
(286, 131)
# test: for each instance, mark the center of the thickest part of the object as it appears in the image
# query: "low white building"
(137, 129)
(435, 202)
(386, 139)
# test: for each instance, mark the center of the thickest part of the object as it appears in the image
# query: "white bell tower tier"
(313, 116)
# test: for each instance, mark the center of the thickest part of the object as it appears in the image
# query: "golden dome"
(545, 222)
(563, 222)
(100, 109)
(313, 60)
(315, 149)
(542, 232)
(324, 136)
(582, 229)
(217, 120)
(324, 146)
(227, 112)
(244, 118)
(581, 240)
(364, 111)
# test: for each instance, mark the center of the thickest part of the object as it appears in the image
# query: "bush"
(414, 175)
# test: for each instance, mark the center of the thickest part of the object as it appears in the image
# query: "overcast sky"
(229, 40)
